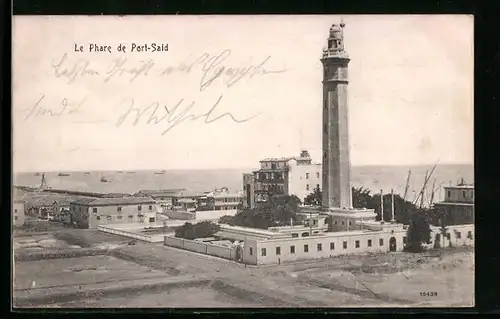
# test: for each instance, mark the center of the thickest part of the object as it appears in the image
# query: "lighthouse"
(335, 132)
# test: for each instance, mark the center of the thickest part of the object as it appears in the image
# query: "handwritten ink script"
(173, 116)
(153, 113)
(212, 67)
(66, 107)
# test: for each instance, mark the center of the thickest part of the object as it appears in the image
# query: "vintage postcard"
(243, 161)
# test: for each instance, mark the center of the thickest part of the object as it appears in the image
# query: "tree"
(199, 230)
(419, 232)
(314, 198)
(226, 219)
(361, 198)
(278, 210)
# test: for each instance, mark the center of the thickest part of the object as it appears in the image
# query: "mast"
(407, 184)
(422, 191)
(432, 193)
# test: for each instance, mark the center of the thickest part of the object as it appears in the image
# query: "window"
(151, 219)
(139, 207)
(263, 252)
(251, 251)
(295, 235)
(306, 248)
(94, 210)
(150, 207)
(307, 175)
(305, 234)
(119, 217)
(469, 234)
(342, 222)
(109, 217)
(381, 242)
(345, 245)
(15, 217)
(278, 250)
(130, 216)
(98, 217)
(119, 209)
(369, 242)
(317, 176)
(315, 222)
(459, 235)
(320, 247)
(404, 240)
(449, 194)
(350, 223)
(357, 243)
(307, 187)
(335, 222)
(15, 210)
(292, 249)
(332, 246)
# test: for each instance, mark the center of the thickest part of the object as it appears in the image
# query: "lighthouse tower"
(336, 163)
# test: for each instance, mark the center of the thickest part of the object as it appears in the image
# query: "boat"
(160, 173)
(130, 172)
(86, 173)
(63, 174)
(37, 174)
(103, 179)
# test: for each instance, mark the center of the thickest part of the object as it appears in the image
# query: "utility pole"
(382, 205)
(392, 206)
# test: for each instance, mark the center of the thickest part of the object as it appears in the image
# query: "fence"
(152, 238)
(200, 247)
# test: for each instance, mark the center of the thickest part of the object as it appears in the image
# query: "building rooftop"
(114, 201)
(465, 186)
(161, 191)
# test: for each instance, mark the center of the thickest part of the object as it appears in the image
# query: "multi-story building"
(282, 176)
(458, 205)
(18, 215)
(163, 197)
(92, 212)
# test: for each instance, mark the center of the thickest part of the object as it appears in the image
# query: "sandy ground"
(78, 271)
(395, 279)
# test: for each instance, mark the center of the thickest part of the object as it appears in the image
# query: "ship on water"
(63, 174)
(160, 173)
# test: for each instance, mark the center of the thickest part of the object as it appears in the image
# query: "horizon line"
(226, 168)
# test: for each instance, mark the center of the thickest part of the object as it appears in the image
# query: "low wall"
(151, 238)
(176, 214)
(85, 252)
(200, 247)
(214, 214)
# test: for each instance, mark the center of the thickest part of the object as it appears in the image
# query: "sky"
(232, 90)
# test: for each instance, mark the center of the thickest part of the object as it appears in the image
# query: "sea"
(373, 178)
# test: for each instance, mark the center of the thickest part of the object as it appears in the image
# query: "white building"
(297, 176)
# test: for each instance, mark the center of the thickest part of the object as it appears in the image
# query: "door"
(392, 244)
